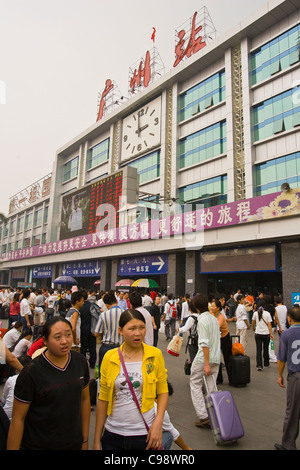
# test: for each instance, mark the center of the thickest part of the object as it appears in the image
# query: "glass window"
(28, 221)
(148, 167)
(278, 54)
(18, 245)
(46, 212)
(70, 169)
(202, 145)
(20, 224)
(36, 240)
(38, 217)
(98, 154)
(12, 228)
(278, 114)
(202, 96)
(269, 176)
(211, 192)
(26, 243)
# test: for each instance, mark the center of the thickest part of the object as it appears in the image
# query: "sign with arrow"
(82, 269)
(144, 265)
(44, 271)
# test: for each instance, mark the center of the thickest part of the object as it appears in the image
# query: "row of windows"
(277, 114)
(24, 243)
(278, 54)
(202, 96)
(269, 176)
(202, 145)
(95, 156)
(211, 192)
(27, 222)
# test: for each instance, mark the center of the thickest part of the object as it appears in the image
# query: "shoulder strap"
(131, 387)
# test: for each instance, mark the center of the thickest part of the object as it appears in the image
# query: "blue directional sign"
(82, 269)
(295, 298)
(143, 265)
(42, 271)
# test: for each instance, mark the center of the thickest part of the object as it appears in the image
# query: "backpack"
(193, 335)
(173, 310)
(95, 311)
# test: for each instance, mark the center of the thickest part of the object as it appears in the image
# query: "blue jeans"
(111, 441)
(167, 440)
(103, 350)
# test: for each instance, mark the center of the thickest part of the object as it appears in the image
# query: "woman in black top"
(52, 405)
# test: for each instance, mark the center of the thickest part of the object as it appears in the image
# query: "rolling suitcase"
(239, 369)
(223, 415)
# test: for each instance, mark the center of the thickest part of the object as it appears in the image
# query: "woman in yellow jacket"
(119, 423)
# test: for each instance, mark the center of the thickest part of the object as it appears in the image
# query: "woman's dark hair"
(49, 323)
(22, 336)
(130, 314)
(15, 325)
(16, 298)
(260, 312)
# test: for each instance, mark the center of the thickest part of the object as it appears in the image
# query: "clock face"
(141, 130)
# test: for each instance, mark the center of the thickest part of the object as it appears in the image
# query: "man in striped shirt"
(108, 326)
(207, 359)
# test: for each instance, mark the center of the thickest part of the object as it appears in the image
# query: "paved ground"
(261, 404)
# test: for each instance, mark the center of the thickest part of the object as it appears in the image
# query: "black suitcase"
(239, 369)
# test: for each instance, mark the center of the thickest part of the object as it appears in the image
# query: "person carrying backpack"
(190, 327)
(170, 317)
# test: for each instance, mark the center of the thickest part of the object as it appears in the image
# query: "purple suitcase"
(223, 415)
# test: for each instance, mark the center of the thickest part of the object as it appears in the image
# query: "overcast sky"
(55, 56)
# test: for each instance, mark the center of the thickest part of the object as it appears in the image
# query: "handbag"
(133, 393)
(174, 345)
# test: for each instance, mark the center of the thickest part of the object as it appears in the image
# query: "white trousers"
(196, 383)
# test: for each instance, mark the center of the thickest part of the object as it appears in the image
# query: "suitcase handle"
(235, 336)
(214, 382)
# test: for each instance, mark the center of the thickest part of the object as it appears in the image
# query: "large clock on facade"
(141, 130)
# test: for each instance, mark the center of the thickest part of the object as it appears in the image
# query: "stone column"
(290, 257)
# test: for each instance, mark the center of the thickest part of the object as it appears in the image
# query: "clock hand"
(140, 129)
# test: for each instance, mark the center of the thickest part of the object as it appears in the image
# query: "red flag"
(153, 34)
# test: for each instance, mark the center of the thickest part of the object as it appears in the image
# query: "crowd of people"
(51, 342)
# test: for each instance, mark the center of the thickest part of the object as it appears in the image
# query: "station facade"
(199, 169)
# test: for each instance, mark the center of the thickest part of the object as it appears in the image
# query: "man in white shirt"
(169, 318)
(75, 221)
(147, 302)
(122, 302)
(25, 310)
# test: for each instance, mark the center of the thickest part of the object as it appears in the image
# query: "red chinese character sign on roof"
(194, 44)
(142, 75)
(108, 87)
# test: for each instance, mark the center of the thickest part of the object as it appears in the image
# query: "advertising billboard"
(80, 213)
